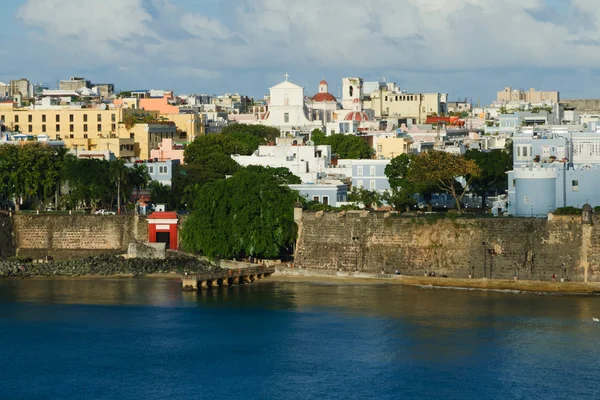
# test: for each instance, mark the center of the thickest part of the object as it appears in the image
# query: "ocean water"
(146, 339)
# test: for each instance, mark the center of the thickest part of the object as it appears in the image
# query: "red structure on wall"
(162, 228)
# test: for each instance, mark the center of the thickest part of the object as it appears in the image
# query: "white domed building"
(323, 104)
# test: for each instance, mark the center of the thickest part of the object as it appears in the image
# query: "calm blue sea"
(146, 339)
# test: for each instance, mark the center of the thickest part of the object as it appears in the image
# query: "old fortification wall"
(372, 242)
(66, 236)
(7, 245)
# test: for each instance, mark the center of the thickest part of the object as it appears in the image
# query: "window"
(85, 136)
(85, 128)
(57, 127)
(71, 136)
(99, 117)
(30, 118)
(359, 184)
(351, 91)
(17, 128)
(71, 128)
(162, 169)
(526, 200)
(99, 127)
(373, 171)
(43, 117)
(359, 171)
(84, 117)
(113, 127)
(150, 170)
(57, 117)
(44, 128)
(16, 118)
(70, 117)
(379, 148)
(326, 200)
(2, 118)
(372, 185)
(113, 118)
(316, 198)
(286, 118)
(30, 128)
(514, 182)
(575, 185)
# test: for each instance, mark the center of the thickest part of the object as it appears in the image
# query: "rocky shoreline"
(104, 266)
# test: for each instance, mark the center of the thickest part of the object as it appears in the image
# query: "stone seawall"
(374, 242)
(7, 244)
(66, 236)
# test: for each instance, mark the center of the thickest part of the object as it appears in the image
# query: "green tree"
(403, 189)
(138, 178)
(442, 169)
(349, 146)
(160, 193)
(367, 197)
(262, 132)
(205, 145)
(249, 214)
(318, 137)
(493, 166)
(118, 174)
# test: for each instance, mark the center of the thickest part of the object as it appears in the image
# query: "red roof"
(163, 215)
(323, 96)
(357, 116)
(323, 82)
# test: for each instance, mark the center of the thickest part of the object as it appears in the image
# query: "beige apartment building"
(91, 128)
(405, 105)
(388, 148)
(510, 95)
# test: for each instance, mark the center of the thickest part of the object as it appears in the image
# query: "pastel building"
(328, 192)
(553, 168)
(366, 174)
(168, 150)
(309, 163)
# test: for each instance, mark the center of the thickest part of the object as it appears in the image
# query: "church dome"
(359, 116)
(323, 96)
(323, 82)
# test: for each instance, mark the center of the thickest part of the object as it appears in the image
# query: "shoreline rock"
(104, 266)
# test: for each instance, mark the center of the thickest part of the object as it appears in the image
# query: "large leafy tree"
(249, 214)
(88, 182)
(262, 132)
(368, 198)
(493, 166)
(442, 169)
(348, 146)
(118, 175)
(205, 145)
(29, 172)
(403, 189)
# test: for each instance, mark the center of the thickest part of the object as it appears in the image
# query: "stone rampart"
(374, 242)
(70, 236)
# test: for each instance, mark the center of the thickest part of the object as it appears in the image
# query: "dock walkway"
(225, 277)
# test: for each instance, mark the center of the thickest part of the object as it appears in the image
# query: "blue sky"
(467, 48)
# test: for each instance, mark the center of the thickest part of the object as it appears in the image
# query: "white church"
(289, 109)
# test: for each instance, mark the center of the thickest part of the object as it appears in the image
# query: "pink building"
(168, 150)
(160, 104)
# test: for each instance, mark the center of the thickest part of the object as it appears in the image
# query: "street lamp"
(516, 272)
(564, 272)
(484, 244)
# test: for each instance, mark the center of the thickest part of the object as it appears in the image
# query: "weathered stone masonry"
(374, 241)
(65, 236)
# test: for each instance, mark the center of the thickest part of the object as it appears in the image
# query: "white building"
(287, 109)
(309, 163)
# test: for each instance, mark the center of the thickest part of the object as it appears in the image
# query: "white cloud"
(344, 35)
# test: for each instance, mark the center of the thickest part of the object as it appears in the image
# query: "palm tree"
(138, 177)
(159, 193)
(118, 175)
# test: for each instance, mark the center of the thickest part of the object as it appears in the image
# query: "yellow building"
(127, 133)
(388, 148)
(189, 126)
(404, 105)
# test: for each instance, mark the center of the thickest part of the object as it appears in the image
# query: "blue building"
(366, 174)
(159, 171)
(329, 193)
(553, 168)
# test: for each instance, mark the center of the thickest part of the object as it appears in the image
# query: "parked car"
(104, 212)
